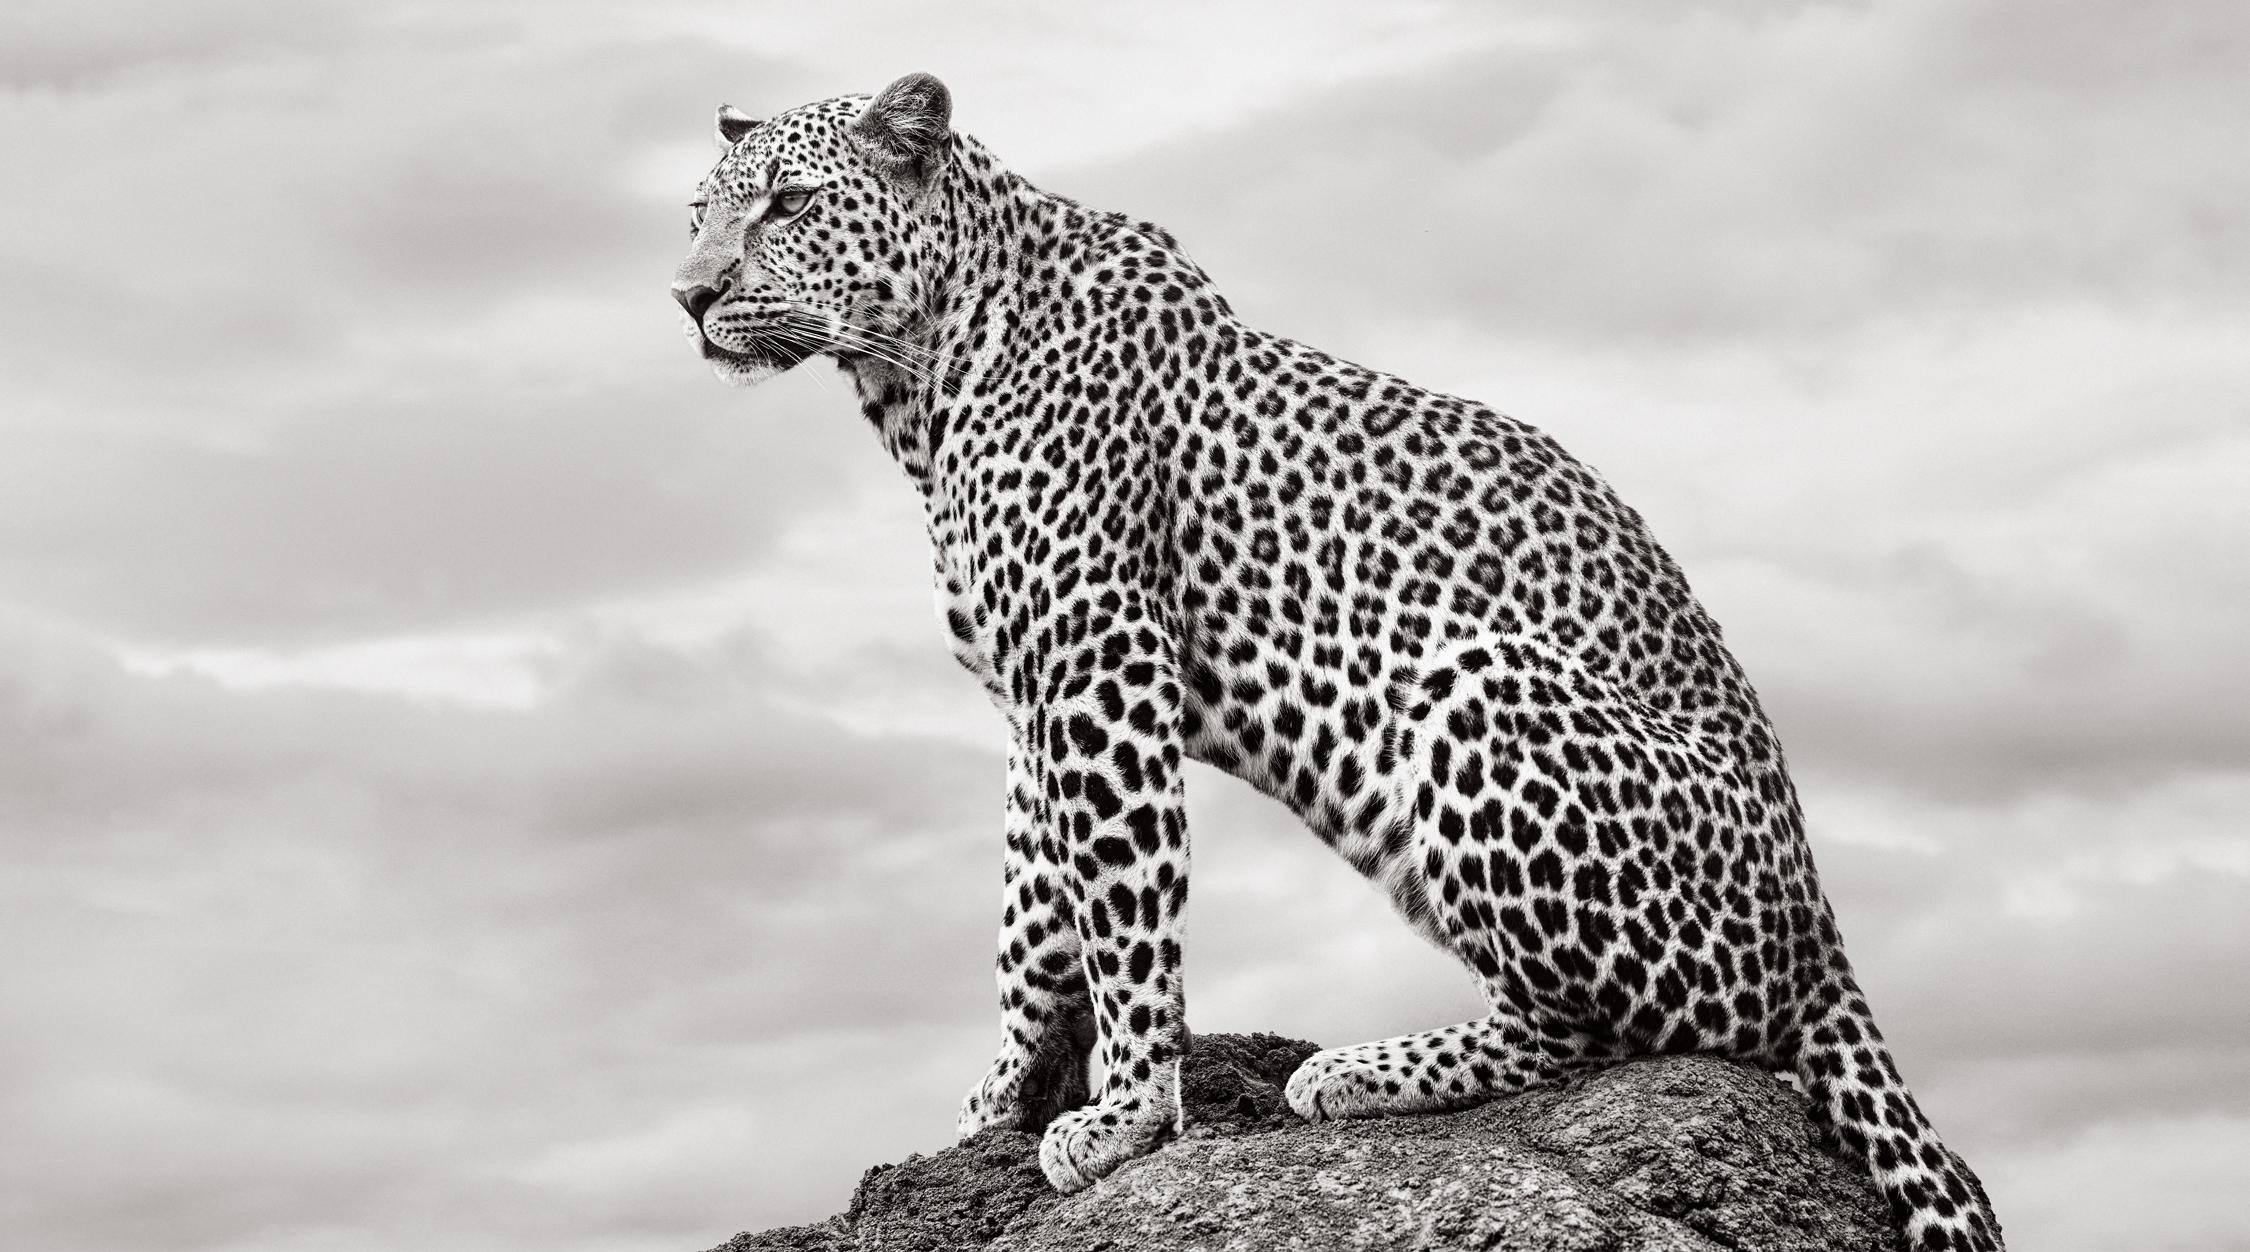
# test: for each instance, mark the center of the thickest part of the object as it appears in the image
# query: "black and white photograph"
(1193, 627)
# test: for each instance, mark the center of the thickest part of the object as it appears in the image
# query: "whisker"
(886, 354)
(867, 336)
(896, 342)
(809, 326)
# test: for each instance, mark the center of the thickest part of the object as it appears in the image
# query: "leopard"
(1160, 535)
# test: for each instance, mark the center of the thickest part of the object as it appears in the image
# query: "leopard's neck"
(1008, 267)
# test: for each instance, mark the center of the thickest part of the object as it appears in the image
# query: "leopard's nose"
(695, 297)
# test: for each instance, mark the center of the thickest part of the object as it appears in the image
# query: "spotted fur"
(1161, 535)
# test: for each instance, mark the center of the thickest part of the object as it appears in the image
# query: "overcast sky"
(469, 781)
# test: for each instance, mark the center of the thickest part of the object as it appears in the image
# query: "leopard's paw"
(1083, 1146)
(1018, 1095)
(1362, 1081)
(991, 1104)
(1429, 1072)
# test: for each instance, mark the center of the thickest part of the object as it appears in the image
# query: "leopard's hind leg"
(1538, 854)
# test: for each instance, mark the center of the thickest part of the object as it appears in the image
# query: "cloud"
(1697, 176)
(2174, 1183)
(351, 343)
(49, 45)
(468, 500)
(2067, 942)
(354, 946)
(267, 228)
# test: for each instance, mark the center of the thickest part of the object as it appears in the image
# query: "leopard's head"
(812, 233)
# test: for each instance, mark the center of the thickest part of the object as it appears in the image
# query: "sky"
(470, 781)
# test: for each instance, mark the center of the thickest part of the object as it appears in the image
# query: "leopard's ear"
(906, 128)
(732, 125)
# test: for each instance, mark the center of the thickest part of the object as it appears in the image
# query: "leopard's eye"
(791, 203)
(695, 217)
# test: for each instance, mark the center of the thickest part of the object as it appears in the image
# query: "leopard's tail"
(1859, 1099)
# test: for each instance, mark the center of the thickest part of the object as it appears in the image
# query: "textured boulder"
(1676, 1153)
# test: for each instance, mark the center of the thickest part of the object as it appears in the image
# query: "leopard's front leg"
(1108, 732)
(1046, 1020)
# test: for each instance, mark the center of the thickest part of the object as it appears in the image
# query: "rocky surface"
(1676, 1153)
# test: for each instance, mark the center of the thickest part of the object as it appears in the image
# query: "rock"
(1684, 1152)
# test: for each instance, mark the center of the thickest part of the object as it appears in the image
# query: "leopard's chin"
(745, 369)
(742, 371)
